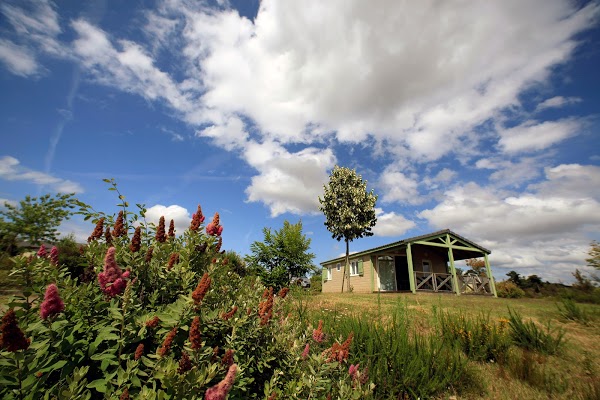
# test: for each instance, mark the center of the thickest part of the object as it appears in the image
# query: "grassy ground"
(571, 374)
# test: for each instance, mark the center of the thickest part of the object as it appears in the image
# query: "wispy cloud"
(12, 170)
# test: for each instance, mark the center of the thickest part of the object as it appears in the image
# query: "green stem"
(19, 376)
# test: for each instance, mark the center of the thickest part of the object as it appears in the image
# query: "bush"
(571, 311)
(508, 289)
(162, 317)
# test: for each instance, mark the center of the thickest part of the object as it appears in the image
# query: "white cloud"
(12, 170)
(391, 224)
(19, 60)
(535, 135)
(397, 187)
(288, 182)
(180, 216)
(556, 102)
(549, 223)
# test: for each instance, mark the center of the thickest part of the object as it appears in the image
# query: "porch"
(442, 282)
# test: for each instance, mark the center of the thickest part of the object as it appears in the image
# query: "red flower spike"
(173, 259)
(283, 292)
(166, 345)
(136, 240)
(265, 308)
(201, 289)
(195, 334)
(139, 351)
(306, 351)
(149, 254)
(119, 229)
(12, 337)
(108, 236)
(171, 229)
(226, 316)
(197, 219)
(214, 229)
(318, 335)
(98, 230)
(52, 304)
(160, 231)
(54, 256)
(42, 253)
(112, 279)
(185, 364)
(153, 323)
(228, 358)
(221, 389)
(124, 395)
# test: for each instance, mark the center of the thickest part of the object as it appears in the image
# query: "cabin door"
(387, 273)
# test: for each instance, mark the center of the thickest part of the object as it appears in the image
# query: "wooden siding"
(359, 284)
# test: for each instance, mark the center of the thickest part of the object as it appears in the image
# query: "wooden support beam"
(452, 269)
(448, 246)
(411, 272)
(372, 273)
(489, 274)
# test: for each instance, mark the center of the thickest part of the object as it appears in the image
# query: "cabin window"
(426, 266)
(338, 267)
(329, 273)
(354, 268)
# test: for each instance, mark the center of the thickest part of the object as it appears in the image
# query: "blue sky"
(481, 117)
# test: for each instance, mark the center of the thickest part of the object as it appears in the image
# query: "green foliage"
(529, 336)
(36, 219)
(509, 290)
(478, 337)
(349, 209)
(594, 253)
(582, 283)
(568, 309)
(91, 349)
(533, 369)
(282, 254)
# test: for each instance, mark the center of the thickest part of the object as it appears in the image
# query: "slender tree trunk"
(348, 264)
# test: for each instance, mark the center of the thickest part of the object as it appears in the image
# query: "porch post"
(411, 272)
(372, 274)
(452, 269)
(489, 274)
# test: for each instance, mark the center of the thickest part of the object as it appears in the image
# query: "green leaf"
(55, 366)
(98, 384)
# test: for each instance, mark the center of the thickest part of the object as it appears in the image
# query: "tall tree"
(36, 219)
(282, 254)
(349, 210)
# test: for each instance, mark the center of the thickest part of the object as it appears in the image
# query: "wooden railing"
(432, 281)
(474, 284)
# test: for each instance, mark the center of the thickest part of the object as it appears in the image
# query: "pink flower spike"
(42, 252)
(54, 256)
(111, 279)
(52, 303)
(353, 370)
(221, 389)
(305, 352)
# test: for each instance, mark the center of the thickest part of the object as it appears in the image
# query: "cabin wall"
(437, 259)
(359, 284)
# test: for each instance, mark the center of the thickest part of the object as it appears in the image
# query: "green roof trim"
(405, 242)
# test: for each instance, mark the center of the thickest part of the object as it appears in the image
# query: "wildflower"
(228, 358)
(364, 376)
(149, 254)
(160, 231)
(52, 303)
(152, 323)
(42, 252)
(98, 230)
(283, 292)
(139, 351)
(197, 219)
(265, 308)
(171, 233)
(214, 229)
(353, 371)
(119, 229)
(219, 244)
(273, 396)
(339, 352)
(185, 364)
(166, 345)
(112, 280)
(12, 337)
(124, 395)
(226, 316)
(306, 351)
(136, 240)
(201, 289)
(318, 335)
(221, 389)
(174, 259)
(195, 334)
(54, 256)
(108, 236)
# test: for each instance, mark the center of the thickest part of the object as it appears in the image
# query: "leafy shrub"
(528, 335)
(478, 337)
(162, 316)
(509, 290)
(568, 309)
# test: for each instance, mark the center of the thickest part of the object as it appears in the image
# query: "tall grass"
(568, 309)
(527, 335)
(401, 362)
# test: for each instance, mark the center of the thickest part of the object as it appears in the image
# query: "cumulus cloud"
(547, 223)
(397, 187)
(17, 59)
(12, 170)
(535, 135)
(178, 214)
(391, 224)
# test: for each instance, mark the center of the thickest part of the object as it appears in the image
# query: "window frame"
(338, 267)
(329, 273)
(352, 264)
(429, 264)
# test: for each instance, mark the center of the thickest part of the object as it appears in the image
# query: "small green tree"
(282, 254)
(36, 219)
(349, 210)
(594, 260)
(515, 278)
